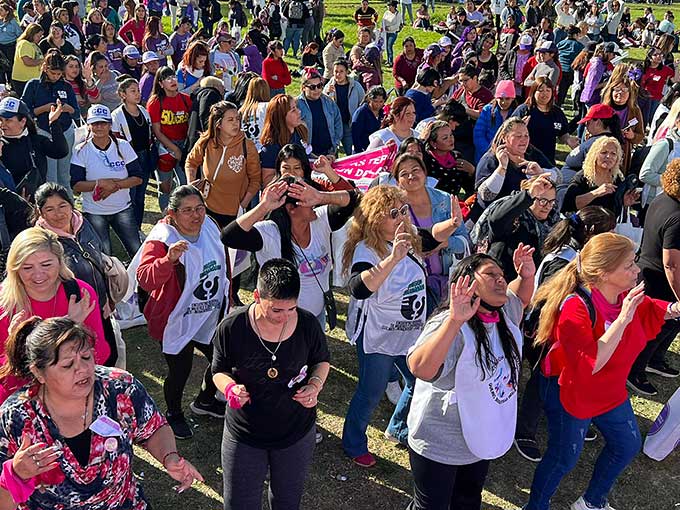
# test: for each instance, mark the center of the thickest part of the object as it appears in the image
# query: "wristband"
(318, 379)
(175, 452)
(19, 489)
(232, 399)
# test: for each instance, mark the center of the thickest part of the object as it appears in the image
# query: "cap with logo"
(526, 42)
(11, 107)
(131, 51)
(598, 111)
(98, 113)
(149, 56)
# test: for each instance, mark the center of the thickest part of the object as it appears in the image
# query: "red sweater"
(275, 73)
(574, 352)
(137, 30)
(654, 79)
(164, 281)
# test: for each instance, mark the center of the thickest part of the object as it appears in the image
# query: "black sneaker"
(215, 409)
(641, 385)
(591, 435)
(663, 370)
(528, 448)
(179, 426)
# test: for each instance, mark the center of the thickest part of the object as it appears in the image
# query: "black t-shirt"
(341, 98)
(139, 135)
(544, 128)
(662, 231)
(580, 186)
(272, 419)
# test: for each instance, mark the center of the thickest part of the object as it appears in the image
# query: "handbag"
(117, 279)
(625, 227)
(328, 297)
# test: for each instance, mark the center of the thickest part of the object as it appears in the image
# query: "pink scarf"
(609, 311)
(488, 318)
(76, 223)
(447, 160)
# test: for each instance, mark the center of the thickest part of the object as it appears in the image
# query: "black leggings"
(440, 486)
(179, 369)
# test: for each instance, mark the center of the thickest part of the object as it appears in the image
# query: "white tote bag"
(625, 227)
(664, 436)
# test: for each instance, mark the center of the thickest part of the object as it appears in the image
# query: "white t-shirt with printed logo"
(105, 164)
(318, 262)
(394, 315)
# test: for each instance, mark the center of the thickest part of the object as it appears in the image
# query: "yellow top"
(22, 72)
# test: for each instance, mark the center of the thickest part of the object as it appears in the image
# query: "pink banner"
(362, 168)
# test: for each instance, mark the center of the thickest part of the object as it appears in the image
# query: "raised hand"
(274, 195)
(631, 197)
(402, 242)
(463, 303)
(32, 460)
(306, 195)
(80, 311)
(456, 213)
(523, 261)
(176, 250)
(539, 185)
(631, 302)
(503, 157)
(17, 320)
(604, 189)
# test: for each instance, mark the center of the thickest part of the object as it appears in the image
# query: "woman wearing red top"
(39, 283)
(406, 65)
(654, 76)
(597, 321)
(274, 69)
(169, 112)
(134, 27)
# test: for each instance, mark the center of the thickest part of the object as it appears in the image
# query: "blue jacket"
(364, 124)
(9, 31)
(441, 210)
(39, 92)
(333, 118)
(486, 128)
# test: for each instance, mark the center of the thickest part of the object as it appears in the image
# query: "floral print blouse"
(107, 481)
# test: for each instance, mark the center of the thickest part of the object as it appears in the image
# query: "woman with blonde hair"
(254, 109)
(39, 282)
(621, 93)
(599, 180)
(595, 321)
(387, 283)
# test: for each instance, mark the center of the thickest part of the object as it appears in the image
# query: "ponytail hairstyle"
(35, 344)
(484, 355)
(602, 254)
(578, 228)
(217, 112)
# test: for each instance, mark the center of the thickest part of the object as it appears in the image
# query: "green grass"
(645, 485)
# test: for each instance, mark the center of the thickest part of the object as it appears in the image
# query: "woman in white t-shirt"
(298, 225)
(467, 365)
(397, 126)
(103, 169)
(387, 308)
(254, 109)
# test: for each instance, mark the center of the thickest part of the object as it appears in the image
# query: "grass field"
(334, 482)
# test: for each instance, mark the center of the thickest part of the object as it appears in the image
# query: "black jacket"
(26, 157)
(201, 101)
(15, 216)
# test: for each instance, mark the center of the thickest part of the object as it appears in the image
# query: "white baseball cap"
(149, 56)
(98, 113)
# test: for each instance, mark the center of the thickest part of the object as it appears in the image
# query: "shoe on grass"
(366, 460)
(663, 370)
(591, 434)
(528, 448)
(179, 426)
(641, 385)
(214, 409)
(580, 504)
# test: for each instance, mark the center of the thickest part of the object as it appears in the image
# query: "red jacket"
(164, 281)
(273, 67)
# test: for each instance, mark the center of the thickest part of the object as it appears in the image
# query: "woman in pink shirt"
(135, 27)
(39, 283)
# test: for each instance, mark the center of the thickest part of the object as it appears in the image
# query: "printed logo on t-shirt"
(412, 302)
(557, 126)
(170, 118)
(500, 385)
(207, 289)
(318, 266)
(61, 94)
(236, 163)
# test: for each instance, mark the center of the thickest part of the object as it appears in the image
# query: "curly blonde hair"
(590, 163)
(670, 179)
(367, 221)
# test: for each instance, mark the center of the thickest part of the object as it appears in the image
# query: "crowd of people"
(480, 242)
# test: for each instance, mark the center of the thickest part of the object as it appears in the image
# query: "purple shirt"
(179, 44)
(159, 45)
(146, 86)
(252, 59)
(114, 52)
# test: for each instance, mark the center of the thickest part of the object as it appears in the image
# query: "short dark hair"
(342, 62)
(50, 189)
(470, 70)
(428, 77)
(278, 279)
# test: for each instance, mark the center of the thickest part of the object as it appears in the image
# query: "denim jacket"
(355, 94)
(330, 110)
(441, 210)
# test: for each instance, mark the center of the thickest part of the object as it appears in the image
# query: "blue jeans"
(409, 8)
(138, 193)
(374, 372)
(59, 170)
(293, 35)
(391, 39)
(124, 225)
(565, 442)
(347, 138)
(179, 178)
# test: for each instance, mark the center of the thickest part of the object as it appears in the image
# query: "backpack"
(72, 289)
(480, 235)
(641, 153)
(296, 10)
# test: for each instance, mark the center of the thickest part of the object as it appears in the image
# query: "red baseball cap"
(598, 111)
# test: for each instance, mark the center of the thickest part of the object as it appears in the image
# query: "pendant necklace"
(272, 373)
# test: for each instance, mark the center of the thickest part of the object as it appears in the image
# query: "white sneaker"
(580, 504)
(390, 437)
(393, 392)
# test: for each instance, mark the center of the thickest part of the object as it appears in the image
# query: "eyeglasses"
(187, 211)
(620, 91)
(314, 87)
(545, 201)
(394, 212)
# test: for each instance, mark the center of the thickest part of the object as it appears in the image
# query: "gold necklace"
(272, 373)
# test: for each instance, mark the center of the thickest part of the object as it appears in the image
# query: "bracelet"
(18, 488)
(232, 399)
(167, 455)
(309, 381)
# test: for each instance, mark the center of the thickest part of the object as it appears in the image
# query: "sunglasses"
(314, 87)
(394, 212)
(543, 202)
